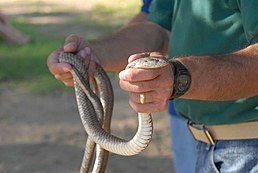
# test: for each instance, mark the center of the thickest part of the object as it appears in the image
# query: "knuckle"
(130, 77)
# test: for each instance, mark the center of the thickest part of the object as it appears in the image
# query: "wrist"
(182, 79)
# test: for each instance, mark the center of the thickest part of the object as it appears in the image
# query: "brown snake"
(96, 112)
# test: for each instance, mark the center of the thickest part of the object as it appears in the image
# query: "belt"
(209, 134)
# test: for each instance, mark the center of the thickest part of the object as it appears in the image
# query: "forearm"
(223, 77)
(114, 50)
(140, 17)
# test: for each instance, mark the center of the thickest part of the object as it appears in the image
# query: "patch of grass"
(24, 67)
(106, 17)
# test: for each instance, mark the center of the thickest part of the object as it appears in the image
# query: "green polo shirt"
(206, 27)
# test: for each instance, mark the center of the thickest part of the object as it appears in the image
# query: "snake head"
(148, 62)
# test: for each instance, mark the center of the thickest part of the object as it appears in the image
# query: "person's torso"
(207, 27)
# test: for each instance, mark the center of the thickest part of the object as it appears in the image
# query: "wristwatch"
(182, 79)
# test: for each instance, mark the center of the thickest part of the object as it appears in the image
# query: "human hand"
(3, 18)
(155, 84)
(76, 45)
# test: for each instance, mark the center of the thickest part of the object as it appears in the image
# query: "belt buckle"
(199, 132)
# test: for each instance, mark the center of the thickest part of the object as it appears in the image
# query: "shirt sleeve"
(249, 14)
(146, 6)
(161, 13)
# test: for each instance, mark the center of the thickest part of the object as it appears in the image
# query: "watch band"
(182, 79)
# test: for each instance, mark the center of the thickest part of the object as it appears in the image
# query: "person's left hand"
(155, 84)
(3, 18)
(76, 45)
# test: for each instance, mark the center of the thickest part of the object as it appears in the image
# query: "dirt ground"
(43, 134)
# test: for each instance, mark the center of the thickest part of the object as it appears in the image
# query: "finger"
(73, 44)
(60, 68)
(151, 96)
(145, 54)
(157, 54)
(134, 75)
(88, 56)
(92, 68)
(53, 57)
(158, 84)
(64, 76)
(70, 44)
(136, 97)
(54, 66)
(94, 57)
(93, 61)
(137, 87)
(84, 54)
(137, 56)
(149, 107)
(69, 83)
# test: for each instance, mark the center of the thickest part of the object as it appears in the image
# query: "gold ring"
(142, 98)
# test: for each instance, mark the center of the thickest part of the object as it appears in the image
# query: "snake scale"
(95, 111)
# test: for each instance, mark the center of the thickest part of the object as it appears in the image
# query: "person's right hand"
(154, 84)
(76, 45)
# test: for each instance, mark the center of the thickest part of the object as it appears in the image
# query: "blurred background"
(40, 129)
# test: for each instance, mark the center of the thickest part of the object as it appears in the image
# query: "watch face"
(182, 79)
(183, 82)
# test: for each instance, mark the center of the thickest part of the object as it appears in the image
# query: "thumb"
(73, 44)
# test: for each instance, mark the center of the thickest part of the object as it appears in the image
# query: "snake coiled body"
(96, 113)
